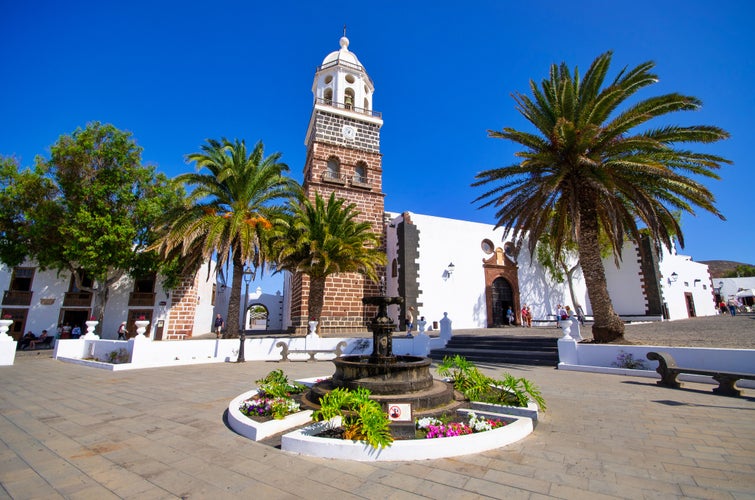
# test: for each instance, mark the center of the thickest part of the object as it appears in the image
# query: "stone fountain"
(390, 378)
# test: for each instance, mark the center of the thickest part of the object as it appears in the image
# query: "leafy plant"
(276, 385)
(477, 386)
(119, 356)
(626, 360)
(362, 418)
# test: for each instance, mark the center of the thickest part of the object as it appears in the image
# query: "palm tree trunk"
(607, 326)
(316, 298)
(232, 321)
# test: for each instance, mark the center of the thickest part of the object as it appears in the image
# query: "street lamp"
(248, 275)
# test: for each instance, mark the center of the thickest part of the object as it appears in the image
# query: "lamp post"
(248, 274)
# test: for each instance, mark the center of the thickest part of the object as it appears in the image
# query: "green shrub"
(362, 418)
(476, 386)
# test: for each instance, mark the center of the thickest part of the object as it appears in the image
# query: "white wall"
(691, 277)
(443, 241)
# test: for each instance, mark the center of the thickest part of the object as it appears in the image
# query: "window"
(145, 284)
(334, 169)
(348, 98)
(22, 278)
(328, 96)
(360, 173)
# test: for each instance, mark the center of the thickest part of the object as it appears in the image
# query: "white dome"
(342, 55)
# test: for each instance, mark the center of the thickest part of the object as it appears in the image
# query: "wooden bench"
(285, 351)
(668, 370)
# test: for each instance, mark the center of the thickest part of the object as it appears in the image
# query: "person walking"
(510, 316)
(219, 325)
(122, 331)
(732, 307)
(409, 321)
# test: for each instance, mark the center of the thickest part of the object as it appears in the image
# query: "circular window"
(487, 246)
(328, 78)
(350, 78)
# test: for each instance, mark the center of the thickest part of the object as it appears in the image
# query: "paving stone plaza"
(68, 431)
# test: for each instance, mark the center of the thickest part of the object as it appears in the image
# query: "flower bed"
(305, 442)
(257, 431)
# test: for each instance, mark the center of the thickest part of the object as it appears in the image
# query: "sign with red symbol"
(400, 412)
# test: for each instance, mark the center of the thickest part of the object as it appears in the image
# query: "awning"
(746, 293)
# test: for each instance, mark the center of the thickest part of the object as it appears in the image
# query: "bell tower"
(343, 157)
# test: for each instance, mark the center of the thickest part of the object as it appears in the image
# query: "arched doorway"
(502, 296)
(257, 316)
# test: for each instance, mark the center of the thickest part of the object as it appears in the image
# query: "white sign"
(400, 412)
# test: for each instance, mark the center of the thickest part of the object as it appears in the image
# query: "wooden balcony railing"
(16, 298)
(77, 299)
(145, 299)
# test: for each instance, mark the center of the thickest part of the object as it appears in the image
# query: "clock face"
(349, 132)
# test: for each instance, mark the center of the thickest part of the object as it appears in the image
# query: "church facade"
(442, 266)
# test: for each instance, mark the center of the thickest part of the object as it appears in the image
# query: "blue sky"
(176, 73)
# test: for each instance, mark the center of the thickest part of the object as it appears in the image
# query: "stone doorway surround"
(499, 265)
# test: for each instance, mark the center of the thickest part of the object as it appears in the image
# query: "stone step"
(540, 351)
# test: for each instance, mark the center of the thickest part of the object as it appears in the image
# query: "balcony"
(348, 107)
(141, 299)
(16, 298)
(77, 299)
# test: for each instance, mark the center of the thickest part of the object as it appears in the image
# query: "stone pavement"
(68, 431)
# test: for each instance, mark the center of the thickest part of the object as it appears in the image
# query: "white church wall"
(539, 291)
(445, 241)
(691, 278)
(625, 282)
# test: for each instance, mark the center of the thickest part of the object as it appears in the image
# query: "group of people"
(731, 306)
(30, 341)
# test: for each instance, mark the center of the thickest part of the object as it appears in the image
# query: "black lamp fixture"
(449, 271)
(673, 278)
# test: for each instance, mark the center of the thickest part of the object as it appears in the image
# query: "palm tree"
(229, 210)
(322, 239)
(602, 177)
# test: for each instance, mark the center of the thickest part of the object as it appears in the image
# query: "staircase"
(507, 349)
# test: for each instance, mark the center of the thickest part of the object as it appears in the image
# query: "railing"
(349, 107)
(141, 299)
(16, 298)
(335, 178)
(77, 299)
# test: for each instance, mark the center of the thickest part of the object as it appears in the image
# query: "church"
(440, 266)
(462, 270)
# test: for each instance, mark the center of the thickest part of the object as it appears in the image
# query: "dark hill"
(718, 268)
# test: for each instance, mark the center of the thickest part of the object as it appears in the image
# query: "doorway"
(71, 318)
(502, 296)
(690, 301)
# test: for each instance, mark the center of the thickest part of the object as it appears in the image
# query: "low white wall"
(145, 353)
(600, 358)
(7, 352)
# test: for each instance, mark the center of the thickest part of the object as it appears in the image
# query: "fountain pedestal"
(391, 379)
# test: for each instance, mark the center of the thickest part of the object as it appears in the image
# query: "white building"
(464, 269)
(47, 300)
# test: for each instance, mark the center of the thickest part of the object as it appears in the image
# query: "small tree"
(320, 239)
(88, 209)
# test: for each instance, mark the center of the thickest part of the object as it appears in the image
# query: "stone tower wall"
(183, 306)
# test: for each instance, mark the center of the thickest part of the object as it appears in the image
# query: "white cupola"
(342, 82)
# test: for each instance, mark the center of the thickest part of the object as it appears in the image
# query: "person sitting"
(43, 339)
(25, 340)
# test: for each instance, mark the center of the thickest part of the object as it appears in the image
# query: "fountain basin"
(399, 375)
